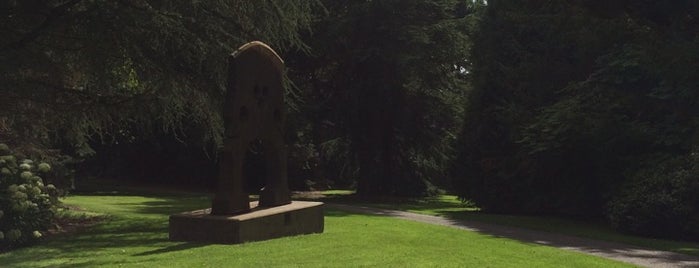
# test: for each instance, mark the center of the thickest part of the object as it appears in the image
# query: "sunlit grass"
(337, 192)
(451, 206)
(135, 235)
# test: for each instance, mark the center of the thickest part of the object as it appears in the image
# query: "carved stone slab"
(253, 109)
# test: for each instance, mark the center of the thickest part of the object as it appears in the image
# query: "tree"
(390, 78)
(78, 70)
(523, 55)
(574, 103)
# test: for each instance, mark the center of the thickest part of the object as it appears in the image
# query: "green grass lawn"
(451, 207)
(135, 234)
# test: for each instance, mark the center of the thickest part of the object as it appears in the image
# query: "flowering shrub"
(27, 205)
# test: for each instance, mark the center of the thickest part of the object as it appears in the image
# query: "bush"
(61, 167)
(27, 205)
(661, 201)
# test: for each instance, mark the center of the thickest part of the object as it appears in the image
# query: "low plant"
(27, 205)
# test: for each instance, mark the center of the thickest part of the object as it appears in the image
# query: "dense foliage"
(578, 104)
(27, 205)
(386, 83)
(121, 70)
(113, 77)
(661, 200)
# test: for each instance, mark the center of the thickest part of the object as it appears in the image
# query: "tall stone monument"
(253, 110)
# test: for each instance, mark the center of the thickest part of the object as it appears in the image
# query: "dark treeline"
(383, 91)
(586, 108)
(576, 108)
(133, 87)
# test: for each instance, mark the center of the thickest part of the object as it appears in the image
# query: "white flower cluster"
(25, 194)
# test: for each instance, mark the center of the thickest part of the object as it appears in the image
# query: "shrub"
(27, 205)
(661, 201)
(58, 169)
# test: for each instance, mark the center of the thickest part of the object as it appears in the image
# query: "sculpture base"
(296, 218)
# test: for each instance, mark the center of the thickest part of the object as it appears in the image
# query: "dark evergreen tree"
(579, 103)
(75, 70)
(388, 80)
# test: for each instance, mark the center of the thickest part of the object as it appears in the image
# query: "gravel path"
(616, 251)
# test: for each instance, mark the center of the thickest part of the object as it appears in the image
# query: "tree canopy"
(583, 108)
(390, 81)
(74, 70)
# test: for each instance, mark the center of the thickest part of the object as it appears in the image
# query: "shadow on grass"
(113, 233)
(451, 208)
(141, 193)
(139, 230)
(142, 226)
(336, 213)
(429, 205)
(172, 248)
(633, 254)
(590, 229)
(171, 205)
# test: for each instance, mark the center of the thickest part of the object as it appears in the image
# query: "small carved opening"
(277, 115)
(244, 113)
(254, 168)
(287, 218)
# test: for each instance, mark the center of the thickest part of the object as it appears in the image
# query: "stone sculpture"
(253, 109)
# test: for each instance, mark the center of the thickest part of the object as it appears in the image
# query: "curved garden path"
(616, 251)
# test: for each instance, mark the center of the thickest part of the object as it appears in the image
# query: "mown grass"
(134, 234)
(451, 207)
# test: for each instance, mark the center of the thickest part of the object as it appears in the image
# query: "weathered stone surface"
(260, 223)
(253, 109)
